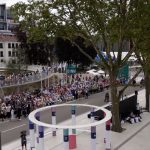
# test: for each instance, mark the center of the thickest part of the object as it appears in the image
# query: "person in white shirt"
(8, 111)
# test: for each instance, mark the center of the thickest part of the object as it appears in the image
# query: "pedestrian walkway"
(139, 141)
(134, 137)
(31, 78)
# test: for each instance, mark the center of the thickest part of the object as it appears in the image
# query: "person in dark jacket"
(23, 140)
(19, 110)
(106, 97)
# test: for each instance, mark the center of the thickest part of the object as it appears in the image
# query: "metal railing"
(25, 79)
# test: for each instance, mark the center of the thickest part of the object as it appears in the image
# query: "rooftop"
(7, 36)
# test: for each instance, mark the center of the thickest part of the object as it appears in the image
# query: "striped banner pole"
(93, 137)
(41, 137)
(72, 136)
(93, 132)
(92, 115)
(66, 139)
(53, 111)
(37, 131)
(108, 135)
(107, 138)
(32, 135)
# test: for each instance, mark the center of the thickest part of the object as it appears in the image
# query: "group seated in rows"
(134, 116)
(20, 104)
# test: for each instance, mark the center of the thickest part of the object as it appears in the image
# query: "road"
(11, 129)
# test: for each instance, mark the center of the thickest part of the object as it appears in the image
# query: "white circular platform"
(39, 123)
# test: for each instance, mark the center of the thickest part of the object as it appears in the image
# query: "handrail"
(26, 79)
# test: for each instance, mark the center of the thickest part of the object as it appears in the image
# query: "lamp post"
(48, 73)
(41, 82)
(2, 78)
(0, 141)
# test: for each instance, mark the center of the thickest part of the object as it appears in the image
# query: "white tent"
(101, 72)
(93, 72)
(132, 57)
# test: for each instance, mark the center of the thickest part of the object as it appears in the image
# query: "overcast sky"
(11, 2)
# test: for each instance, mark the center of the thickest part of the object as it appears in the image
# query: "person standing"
(8, 111)
(23, 140)
(106, 97)
(86, 93)
(3, 111)
(28, 107)
(76, 94)
(12, 113)
(138, 111)
(19, 110)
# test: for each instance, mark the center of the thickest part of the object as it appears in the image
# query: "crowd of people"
(21, 78)
(21, 104)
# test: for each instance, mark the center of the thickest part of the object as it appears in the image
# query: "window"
(9, 53)
(16, 54)
(2, 11)
(1, 54)
(1, 45)
(9, 45)
(13, 45)
(13, 54)
(16, 45)
(13, 61)
(2, 26)
(9, 14)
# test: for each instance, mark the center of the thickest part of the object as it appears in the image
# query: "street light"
(2, 78)
(0, 141)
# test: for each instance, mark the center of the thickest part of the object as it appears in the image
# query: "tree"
(72, 53)
(142, 36)
(17, 63)
(39, 51)
(107, 22)
(36, 52)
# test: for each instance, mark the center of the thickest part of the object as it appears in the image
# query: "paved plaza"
(72, 72)
(134, 137)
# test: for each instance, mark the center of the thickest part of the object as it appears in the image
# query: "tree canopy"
(35, 52)
(106, 22)
(65, 51)
(142, 38)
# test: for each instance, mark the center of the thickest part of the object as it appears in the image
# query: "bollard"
(72, 136)
(93, 131)
(53, 111)
(92, 115)
(41, 137)
(107, 138)
(66, 139)
(32, 135)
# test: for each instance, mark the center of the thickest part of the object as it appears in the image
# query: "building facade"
(8, 45)
(8, 40)
(6, 18)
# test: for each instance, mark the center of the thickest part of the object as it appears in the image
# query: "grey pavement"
(11, 129)
(135, 137)
(139, 141)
